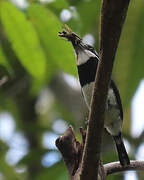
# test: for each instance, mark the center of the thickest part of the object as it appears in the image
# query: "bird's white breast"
(87, 92)
(112, 123)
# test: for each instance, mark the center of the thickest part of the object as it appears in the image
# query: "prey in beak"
(70, 36)
(83, 51)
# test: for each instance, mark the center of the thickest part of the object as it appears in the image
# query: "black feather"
(117, 95)
(122, 154)
(87, 71)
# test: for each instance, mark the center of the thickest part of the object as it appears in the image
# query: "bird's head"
(83, 51)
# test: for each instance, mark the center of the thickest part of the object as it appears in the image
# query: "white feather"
(83, 56)
(113, 122)
(87, 92)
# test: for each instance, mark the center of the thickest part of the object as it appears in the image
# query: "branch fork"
(72, 152)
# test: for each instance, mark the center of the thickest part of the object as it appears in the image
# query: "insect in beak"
(69, 35)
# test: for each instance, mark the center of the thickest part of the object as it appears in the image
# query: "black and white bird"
(87, 60)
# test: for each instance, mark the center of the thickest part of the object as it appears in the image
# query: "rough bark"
(72, 151)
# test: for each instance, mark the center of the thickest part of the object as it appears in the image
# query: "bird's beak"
(70, 36)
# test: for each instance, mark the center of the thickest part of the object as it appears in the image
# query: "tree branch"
(113, 15)
(115, 167)
(71, 151)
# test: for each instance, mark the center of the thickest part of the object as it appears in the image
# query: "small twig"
(115, 167)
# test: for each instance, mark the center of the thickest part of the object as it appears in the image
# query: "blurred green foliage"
(32, 55)
(24, 40)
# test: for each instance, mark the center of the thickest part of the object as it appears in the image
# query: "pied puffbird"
(87, 60)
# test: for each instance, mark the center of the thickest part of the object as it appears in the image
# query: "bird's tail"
(122, 154)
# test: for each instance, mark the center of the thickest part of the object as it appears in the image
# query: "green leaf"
(59, 53)
(24, 40)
